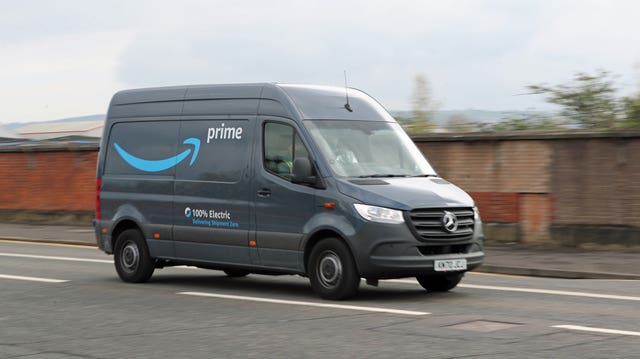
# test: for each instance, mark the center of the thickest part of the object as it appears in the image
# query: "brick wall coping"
(50, 147)
(524, 135)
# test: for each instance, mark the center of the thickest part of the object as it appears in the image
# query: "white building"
(6, 134)
(49, 130)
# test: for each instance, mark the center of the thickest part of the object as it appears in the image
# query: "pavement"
(510, 259)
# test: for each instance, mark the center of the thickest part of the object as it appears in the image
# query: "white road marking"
(534, 290)
(406, 281)
(596, 330)
(36, 243)
(69, 259)
(308, 304)
(32, 279)
(553, 292)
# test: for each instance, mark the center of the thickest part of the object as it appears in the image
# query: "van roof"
(274, 99)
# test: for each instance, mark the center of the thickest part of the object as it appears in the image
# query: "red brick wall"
(498, 207)
(597, 181)
(488, 165)
(48, 180)
(536, 215)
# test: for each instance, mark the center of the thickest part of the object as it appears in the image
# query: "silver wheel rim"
(330, 269)
(130, 257)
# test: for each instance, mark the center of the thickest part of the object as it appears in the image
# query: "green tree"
(422, 106)
(460, 123)
(631, 105)
(532, 123)
(631, 108)
(588, 100)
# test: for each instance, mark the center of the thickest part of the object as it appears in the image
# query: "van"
(277, 179)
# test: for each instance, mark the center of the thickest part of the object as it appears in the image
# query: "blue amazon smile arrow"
(160, 165)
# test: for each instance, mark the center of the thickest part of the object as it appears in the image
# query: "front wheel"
(440, 282)
(332, 271)
(132, 260)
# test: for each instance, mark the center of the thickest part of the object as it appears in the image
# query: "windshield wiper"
(424, 176)
(382, 175)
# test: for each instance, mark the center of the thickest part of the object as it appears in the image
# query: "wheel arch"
(317, 237)
(121, 226)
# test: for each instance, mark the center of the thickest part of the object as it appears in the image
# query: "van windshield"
(368, 149)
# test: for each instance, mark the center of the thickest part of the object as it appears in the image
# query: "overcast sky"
(67, 58)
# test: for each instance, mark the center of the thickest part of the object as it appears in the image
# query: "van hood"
(405, 193)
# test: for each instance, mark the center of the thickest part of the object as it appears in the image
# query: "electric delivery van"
(277, 179)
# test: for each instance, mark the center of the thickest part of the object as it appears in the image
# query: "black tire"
(236, 273)
(441, 282)
(332, 270)
(132, 260)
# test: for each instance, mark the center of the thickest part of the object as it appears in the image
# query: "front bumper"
(384, 251)
(412, 266)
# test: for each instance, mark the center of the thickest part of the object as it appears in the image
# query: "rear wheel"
(236, 273)
(441, 282)
(332, 271)
(132, 260)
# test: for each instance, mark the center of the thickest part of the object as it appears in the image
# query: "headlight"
(379, 214)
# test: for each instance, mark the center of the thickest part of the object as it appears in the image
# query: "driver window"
(281, 146)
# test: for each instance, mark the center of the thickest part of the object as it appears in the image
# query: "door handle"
(264, 192)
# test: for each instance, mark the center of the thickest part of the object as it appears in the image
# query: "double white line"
(46, 280)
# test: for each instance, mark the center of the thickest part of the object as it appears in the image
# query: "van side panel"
(211, 206)
(135, 183)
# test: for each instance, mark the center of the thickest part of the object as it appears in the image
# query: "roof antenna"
(346, 92)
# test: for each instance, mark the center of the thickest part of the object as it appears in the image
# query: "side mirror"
(302, 172)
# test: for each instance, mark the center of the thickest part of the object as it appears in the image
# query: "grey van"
(277, 179)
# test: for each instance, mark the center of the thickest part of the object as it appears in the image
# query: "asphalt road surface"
(60, 301)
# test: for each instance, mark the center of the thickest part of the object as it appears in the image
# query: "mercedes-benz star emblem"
(450, 221)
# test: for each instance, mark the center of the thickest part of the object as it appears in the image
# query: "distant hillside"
(477, 116)
(15, 125)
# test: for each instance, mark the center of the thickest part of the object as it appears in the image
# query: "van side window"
(282, 146)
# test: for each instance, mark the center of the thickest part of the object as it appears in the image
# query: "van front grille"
(429, 224)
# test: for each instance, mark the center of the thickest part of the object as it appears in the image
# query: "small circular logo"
(450, 222)
(187, 212)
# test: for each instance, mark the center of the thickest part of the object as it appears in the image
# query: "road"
(62, 301)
